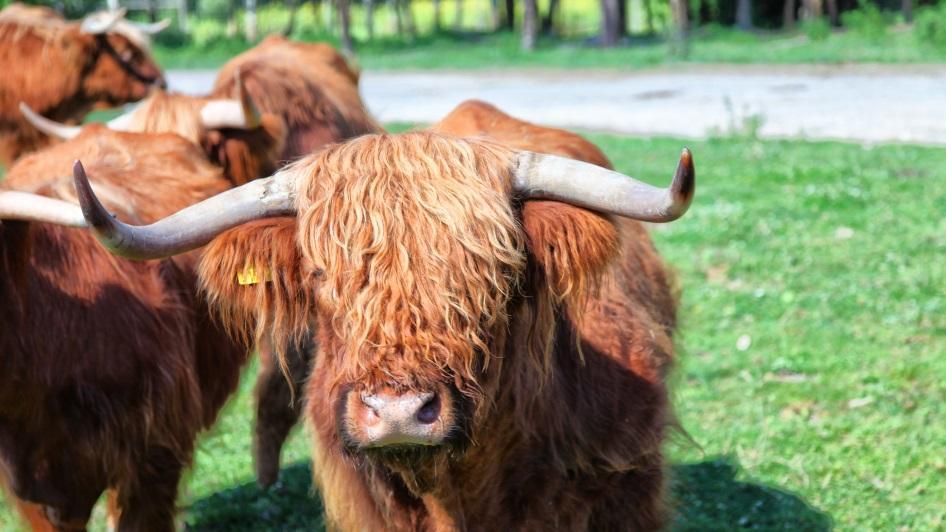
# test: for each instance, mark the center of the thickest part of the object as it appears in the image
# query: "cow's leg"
(147, 503)
(278, 405)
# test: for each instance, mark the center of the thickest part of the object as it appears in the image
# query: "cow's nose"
(411, 418)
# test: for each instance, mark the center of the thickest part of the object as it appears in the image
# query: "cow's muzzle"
(386, 418)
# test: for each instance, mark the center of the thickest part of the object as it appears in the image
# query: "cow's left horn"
(586, 185)
(28, 207)
(240, 113)
(191, 227)
(62, 131)
(102, 22)
(47, 126)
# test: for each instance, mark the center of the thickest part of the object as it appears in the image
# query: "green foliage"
(930, 25)
(811, 353)
(867, 21)
(816, 29)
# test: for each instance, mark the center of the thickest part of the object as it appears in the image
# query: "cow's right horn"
(586, 185)
(23, 206)
(102, 22)
(239, 113)
(191, 227)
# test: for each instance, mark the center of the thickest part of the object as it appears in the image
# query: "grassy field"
(812, 351)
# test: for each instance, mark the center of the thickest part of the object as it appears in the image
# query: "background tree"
(344, 17)
(530, 24)
(744, 14)
(611, 28)
(249, 21)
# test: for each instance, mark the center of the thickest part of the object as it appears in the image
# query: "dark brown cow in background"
(233, 134)
(493, 333)
(63, 69)
(309, 85)
(110, 368)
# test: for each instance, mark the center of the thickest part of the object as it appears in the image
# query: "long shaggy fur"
(111, 367)
(60, 73)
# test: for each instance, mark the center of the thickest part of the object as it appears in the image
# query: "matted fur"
(110, 367)
(60, 73)
(309, 85)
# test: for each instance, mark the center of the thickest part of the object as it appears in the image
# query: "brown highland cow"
(493, 332)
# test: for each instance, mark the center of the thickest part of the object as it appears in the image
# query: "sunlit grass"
(812, 346)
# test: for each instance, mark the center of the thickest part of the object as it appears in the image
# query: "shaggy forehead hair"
(420, 250)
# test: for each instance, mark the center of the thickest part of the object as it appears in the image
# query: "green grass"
(473, 50)
(827, 260)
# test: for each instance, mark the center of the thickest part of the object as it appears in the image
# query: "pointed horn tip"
(93, 211)
(684, 181)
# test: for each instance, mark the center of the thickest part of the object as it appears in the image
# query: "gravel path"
(867, 104)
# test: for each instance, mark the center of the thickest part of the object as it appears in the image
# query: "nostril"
(430, 410)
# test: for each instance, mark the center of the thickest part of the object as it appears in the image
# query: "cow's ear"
(570, 246)
(249, 154)
(256, 280)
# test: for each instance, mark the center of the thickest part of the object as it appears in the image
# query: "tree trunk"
(181, 15)
(833, 17)
(111, 4)
(744, 15)
(812, 9)
(907, 7)
(494, 14)
(530, 24)
(610, 22)
(293, 6)
(409, 18)
(649, 16)
(510, 14)
(369, 18)
(152, 11)
(249, 21)
(622, 18)
(681, 26)
(458, 18)
(437, 13)
(344, 18)
(548, 22)
(398, 21)
(788, 15)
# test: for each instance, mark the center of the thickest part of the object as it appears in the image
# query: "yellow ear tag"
(249, 275)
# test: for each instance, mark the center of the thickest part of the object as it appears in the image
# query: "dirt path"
(863, 103)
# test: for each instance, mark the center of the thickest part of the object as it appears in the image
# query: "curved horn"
(590, 186)
(153, 27)
(191, 227)
(47, 126)
(240, 113)
(35, 208)
(65, 131)
(102, 22)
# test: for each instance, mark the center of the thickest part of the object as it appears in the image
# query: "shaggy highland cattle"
(231, 131)
(315, 92)
(110, 367)
(485, 361)
(63, 69)
(309, 85)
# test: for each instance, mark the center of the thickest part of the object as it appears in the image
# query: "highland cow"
(63, 69)
(110, 367)
(493, 333)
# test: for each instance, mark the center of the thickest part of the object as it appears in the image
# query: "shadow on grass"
(707, 497)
